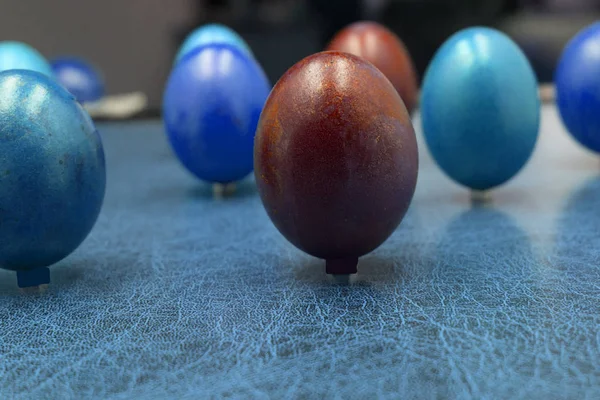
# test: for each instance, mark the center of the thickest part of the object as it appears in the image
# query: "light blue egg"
(212, 34)
(480, 108)
(17, 55)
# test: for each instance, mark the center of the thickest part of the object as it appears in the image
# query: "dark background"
(134, 41)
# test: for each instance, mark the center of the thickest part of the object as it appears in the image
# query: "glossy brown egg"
(380, 46)
(335, 158)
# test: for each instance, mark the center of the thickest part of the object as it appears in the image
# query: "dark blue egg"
(212, 102)
(480, 108)
(80, 78)
(212, 34)
(17, 55)
(577, 80)
(52, 174)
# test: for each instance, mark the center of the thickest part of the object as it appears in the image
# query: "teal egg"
(52, 174)
(480, 108)
(17, 55)
(212, 34)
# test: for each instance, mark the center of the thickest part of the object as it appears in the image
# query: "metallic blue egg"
(480, 108)
(577, 80)
(52, 174)
(211, 106)
(17, 55)
(212, 34)
(80, 78)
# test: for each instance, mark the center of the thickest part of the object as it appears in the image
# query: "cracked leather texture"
(178, 295)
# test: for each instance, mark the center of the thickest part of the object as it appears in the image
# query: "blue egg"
(577, 80)
(52, 174)
(17, 55)
(211, 106)
(480, 108)
(80, 78)
(209, 34)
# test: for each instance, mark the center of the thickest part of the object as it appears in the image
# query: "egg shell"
(80, 78)
(335, 157)
(381, 47)
(480, 108)
(18, 55)
(577, 81)
(52, 174)
(211, 105)
(212, 34)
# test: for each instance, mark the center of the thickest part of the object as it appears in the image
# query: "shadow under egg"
(483, 241)
(487, 268)
(578, 228)
(374, 268)
(8, 283)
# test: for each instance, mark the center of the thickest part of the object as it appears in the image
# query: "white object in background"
(118, 106)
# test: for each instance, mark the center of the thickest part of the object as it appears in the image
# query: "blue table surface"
(176, 294)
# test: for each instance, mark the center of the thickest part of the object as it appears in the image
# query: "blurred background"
(133, 42)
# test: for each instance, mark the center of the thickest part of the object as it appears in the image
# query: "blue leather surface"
(178, 295)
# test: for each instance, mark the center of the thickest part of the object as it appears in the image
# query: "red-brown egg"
(380, 46)
(335, 158)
